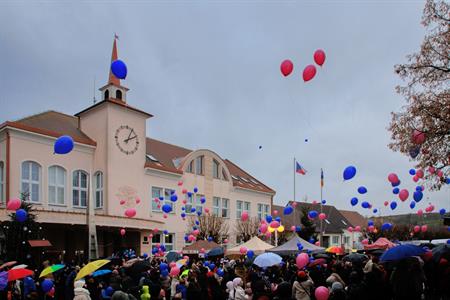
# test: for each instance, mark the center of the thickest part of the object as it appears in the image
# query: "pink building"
(78, 195)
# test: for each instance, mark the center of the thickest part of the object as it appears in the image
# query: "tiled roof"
(334, 223)
(53, 124)
(116, 102)
(354, 217)
(166, 154)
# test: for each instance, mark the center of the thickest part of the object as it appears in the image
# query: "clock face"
(126, 139)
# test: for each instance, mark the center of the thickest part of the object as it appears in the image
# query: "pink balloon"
(225, 241)
(314, 202)
(317, 243)
(431, 170)
(172, 264)
(350, 229)
(286, 67)
(424, 228)
(371, 228)
(274, 224)
(416, 228)
(322, 216)
(196, 232)
(206, 210)
(243, 250)
(415, 178)
(386, 203)
(403, 195)
(440, 173)
(174, 271)
(294, 204)
(420, 173)
(358, 228)
(365, 242)
(122, 232)
(180, 183)
(13, 204)
(184, 201)
(130, 212)
(158, 206)
(275, 212)
(268, 234)
(156, 200)
(150, 236)
(244, 216)
(293, 228)
(184, 191)
(155, 230)
(138, 200)
(418, 137)
(420, 212)
(319, 57)
(263, 228)
(122, 202)
(191, 238)
(302, 260)
(165, 216)
(393, 178)
(202, 250)
(309, 72)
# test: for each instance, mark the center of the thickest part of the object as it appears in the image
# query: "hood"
(80, 291)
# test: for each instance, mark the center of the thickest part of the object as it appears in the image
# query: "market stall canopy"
(381, 243)
(39, 243)
(255, 244)
(198, 245)
(290, 247)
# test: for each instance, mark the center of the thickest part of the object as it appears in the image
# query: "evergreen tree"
(18, 233)
(308, 227)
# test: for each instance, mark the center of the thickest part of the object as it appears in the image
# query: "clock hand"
(126, 141)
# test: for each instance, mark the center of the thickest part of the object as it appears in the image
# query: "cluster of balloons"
(21, 214)
(63, 145)
(309, 71)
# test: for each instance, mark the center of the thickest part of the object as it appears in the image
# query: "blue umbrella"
(401, 252)
(267, 260)
(101, 273)
(215, 252)
(3, 280)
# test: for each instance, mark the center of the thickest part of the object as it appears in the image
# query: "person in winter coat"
(239, 293)
(119, 295)
(230, 290)
(80, 292)
(303, 287)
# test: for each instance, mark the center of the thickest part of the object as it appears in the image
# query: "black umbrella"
(218, 251)
(139, 267)
(321, 255)
(355, 258)
(441, 251)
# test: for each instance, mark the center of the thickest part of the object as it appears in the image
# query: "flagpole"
(294, 177)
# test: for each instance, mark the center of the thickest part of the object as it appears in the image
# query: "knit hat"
(301, 274)
(78, 284)
(237, 281)
(336, 286)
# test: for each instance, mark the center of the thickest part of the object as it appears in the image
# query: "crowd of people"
(362, 277)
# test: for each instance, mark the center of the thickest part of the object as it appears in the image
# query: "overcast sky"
(209, 72)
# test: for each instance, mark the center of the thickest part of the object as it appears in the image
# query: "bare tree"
(427, 77)
(210, 225)
(245, 230)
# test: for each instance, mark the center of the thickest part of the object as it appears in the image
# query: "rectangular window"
(225, 208)
(242, 206)
(197, 203)
(190, 168)
(157, 193)
(260, 211)
(2, 196)
(221, 207)
(79, 189)
(347, 240)
(335, 240)
(31, 180)
(56, 185)
(164, 239)
(216, 205)
(215, 169)
(199, 165)
(98, 189)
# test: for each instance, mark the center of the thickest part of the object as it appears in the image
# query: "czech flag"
(299, 169)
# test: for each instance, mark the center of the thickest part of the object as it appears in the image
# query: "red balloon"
(319, 57)
(286, 67)
(309, 72)
(403, 195)
(386, 203)
(420, 173)
(416, 228)
(415, 178)
(393, 178)
(418, 137)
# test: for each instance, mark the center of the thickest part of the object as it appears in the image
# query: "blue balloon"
(173, 198)
(375, 210)
(298, 228)
(418, 196)
(47, 285)
(412, 204)
(394, 184)
(197, 223)
(396, 190)
(362, 190)
(418, 188)
(165, 273)
(448, 242)
(278, 219)
(250, 254)
(354, 201)
(412, 172)
(370, 223)
(63, 145)
(162, 247)
(161, 198)
(268, 219)
(165, 231)
(145, 255)
(288, 210)
(386, 226)
(154, 250)
(183, 208)
(324, 201)
(313, 214)
(349, 173)
(212, 266)
(199, 213)
(163, 266)
(202, 200)
(447, 180)
(189, 194)
(172, 192)
(220, 272)
(299, 246)
(119, 69)
(442, 211)
(365, 204)
(186, 238)
(193, 210)
(166, 208)
(206, 263)
(393, 205)
(311, 240)
(195, 189)
(21, 215)
(210, 239)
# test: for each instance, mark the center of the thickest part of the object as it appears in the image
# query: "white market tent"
(255, 244)
(290, 247)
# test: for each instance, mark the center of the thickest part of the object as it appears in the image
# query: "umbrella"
(355, 258)
(8, 264)
(139, 267)
(440, 251)
(321, 255)
(130, 262)
(402, 251)
(18, 274)
(378, 252)
(101, 273)
(22, 266)
(50, 270)
(335, 250)
(215, 252)
(172, 256)
(3, 280)
(181, 262)
(91, 267)
(319, 261)
(267, 260)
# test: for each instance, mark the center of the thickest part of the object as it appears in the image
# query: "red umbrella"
(18, 274)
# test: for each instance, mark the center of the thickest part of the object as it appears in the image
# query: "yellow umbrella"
(50, 270)
(91, 267)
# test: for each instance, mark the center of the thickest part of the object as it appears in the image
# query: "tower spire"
(113, 79)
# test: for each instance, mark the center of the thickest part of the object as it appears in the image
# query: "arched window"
(31, 180)
(56, 185)
(119, 94)
(79, 188)
(98, 188)
(2, 196)
(106, 94)
(216, 169)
